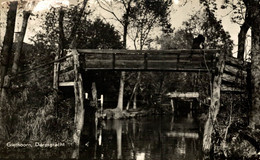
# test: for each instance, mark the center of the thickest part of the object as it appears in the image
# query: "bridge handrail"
(173, 51)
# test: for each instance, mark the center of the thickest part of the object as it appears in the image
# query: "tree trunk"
(18, 49)
(3, 102)
(242, 40)
(60, 52)
(61, 32)
(214, 106)
(8, 40)
(76, 20)
(122, 78)
(135, 92)
(255, 73)
(134, 102)
(120, 101)
(6, 55)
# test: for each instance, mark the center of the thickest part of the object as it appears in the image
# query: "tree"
(130, 12)
(8, 40)
(90, 34)
(249, 16)
(251, 20)
(27, 9)
(6, 55)
(124, 21)
(203, 22)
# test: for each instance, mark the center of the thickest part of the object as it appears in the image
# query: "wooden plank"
(183, 95)
(225, 88)
(66, 64)
(94, 56)
(232, 79)
(67, 76)
(124, 64)
(161, 57)
(173, 65)
(79, 99)
(147, 59)
(98, 64)
(234, 84)
(129, 57)
(233, 70)
(65, 70)
(121, 64)
(175, 51)
(234, 62)
(66, 84)
(178, 134)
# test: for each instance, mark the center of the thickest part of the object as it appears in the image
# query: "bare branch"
(109, 11)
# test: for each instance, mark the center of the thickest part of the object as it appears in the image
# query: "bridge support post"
(215, 104)
(79, 99)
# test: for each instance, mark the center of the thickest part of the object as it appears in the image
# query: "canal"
(151, 138)
(144, 138)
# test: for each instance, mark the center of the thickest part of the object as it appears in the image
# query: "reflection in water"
(140, 156)
(152, 138)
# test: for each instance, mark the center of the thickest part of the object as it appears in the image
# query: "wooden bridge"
(136, 60)
(223, 68)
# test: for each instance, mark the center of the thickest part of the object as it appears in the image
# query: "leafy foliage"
(34, 108)
(205, 23)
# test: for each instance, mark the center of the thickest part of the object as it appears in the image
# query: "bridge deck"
(150, 60)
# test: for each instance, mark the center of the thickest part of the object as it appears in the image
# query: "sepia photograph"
(130, 79)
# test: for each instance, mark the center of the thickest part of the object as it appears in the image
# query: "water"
(146, 138)
(151, 138)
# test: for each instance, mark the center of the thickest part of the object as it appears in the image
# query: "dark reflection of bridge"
(153, 138)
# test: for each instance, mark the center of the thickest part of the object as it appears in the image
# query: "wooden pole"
(101, 103)
(215, 104)
(94, 94)
(79, 99)
(56, 73)
(172, 104)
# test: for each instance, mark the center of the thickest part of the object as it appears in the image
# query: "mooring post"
(215, 103)
(79, 99)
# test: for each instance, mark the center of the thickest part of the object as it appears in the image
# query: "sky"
(180, 11)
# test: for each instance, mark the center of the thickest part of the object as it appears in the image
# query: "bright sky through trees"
(176, 1)
(181, 11)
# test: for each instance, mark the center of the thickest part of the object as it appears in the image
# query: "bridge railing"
(184, 60)
(153, 60)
